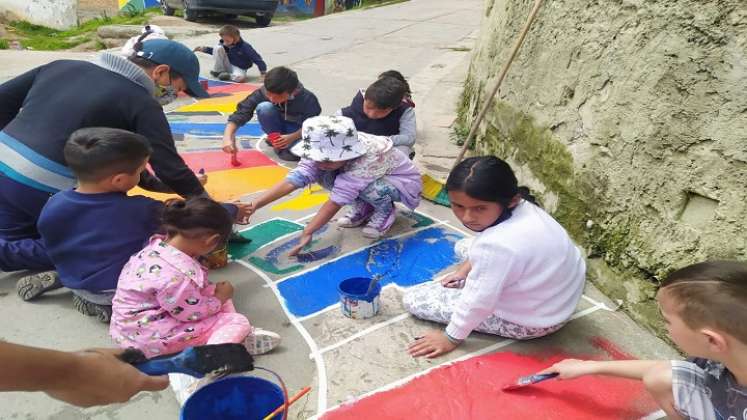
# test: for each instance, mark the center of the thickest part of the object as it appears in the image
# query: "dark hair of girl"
(196, 214)
(487, 178)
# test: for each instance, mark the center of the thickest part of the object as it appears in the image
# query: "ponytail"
(196, 215)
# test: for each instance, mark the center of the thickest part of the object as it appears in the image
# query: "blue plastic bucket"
(355, 302)
(234, 398)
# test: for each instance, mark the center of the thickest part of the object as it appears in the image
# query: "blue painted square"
(405, 261)
(213, 129)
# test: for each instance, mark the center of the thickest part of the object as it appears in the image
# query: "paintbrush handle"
(295, 398)
(161, 365)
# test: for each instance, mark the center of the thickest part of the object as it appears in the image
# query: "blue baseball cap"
(180, 58)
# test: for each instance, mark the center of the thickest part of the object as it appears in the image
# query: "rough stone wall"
(629, 117)
(58, 14)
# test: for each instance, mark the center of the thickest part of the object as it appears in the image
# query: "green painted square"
(261, 235)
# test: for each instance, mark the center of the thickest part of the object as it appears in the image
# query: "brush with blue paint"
(216, 359)
(529, 380)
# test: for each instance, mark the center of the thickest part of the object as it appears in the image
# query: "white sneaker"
(261, 341)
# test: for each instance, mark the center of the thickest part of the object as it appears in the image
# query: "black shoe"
(214, 73)
(224, 76)
(238, 239)
(102, 312)
(35, 285)
(286, 155)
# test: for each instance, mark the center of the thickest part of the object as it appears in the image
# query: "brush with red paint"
(529, 380)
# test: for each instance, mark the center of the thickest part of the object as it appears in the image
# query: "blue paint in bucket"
(234, 398)
(355, 302)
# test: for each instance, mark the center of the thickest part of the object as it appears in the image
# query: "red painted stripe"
(217, 160)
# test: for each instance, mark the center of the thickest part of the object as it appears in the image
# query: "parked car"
(261, 10)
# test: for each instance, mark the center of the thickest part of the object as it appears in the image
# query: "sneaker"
(102, 312)
(224, 76)
(287, 155)
(35, 285)
(358, 214)
(379, 223)
(215, 73)
(261, 341)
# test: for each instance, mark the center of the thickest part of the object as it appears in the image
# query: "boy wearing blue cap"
(38, 114)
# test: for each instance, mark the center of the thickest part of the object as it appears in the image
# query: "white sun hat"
(329, 139)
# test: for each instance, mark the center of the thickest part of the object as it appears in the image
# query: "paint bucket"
(234, 398)
(355, 302)
(218, 258)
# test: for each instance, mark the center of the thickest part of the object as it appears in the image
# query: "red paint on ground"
(217, 161)
(234, 88)
(610, 348)
(472, 390)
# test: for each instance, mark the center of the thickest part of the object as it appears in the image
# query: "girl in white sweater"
(523, 276)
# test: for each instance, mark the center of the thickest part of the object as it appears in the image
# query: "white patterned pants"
(433, 302)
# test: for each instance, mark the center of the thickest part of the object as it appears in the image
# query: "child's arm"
(322, 217)
(631, 369)
(255, 57)
(281, 189)
(185, 301)
(407, 129)
(13, 93)
(85, 378)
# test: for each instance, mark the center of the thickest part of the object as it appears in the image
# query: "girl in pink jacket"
(164, 300)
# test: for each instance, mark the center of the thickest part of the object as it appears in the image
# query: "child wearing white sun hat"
(359, 169)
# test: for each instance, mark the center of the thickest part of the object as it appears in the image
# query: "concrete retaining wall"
(58, 14)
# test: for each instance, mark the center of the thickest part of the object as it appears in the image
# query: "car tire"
(263, 20)
(230, 17)
(168, 11)
(190, 14)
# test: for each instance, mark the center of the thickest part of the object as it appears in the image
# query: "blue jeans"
(20, 245)
(271, 120)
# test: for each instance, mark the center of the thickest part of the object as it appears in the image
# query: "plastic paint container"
(234, 398)
(355, 302)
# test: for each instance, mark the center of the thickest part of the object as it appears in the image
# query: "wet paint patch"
(261, 235)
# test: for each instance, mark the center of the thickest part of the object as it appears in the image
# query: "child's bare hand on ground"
(570, 368)
(305, 240)
(223, 291)
(432, 344)
(203, 178)
(99, 378)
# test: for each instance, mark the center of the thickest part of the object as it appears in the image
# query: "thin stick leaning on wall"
(501, 76)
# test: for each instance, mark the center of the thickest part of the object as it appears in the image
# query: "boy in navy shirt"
(91, 231)
(233, 56)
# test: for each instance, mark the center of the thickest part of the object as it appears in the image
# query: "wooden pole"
(501, 76)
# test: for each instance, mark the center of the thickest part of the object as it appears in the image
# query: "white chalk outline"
(656, 415)
(359, 334)
(321, 368)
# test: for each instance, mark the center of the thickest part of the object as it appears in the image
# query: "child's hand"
(203, 178)
(571, 368)
(262, 77)
(454, 280)
(305, 240)
(244, 213)
(223, 291)
(229, 145)
(282, 142)
(432, 344)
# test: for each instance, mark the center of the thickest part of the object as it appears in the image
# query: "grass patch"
(367, 4)
(39, 37)
(4, 44)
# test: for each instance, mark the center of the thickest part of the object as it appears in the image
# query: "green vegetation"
(38, 37)
(366, 4)
(4, 44)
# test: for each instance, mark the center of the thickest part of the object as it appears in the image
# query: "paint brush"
(221, 359)
(529, 380)
(373, 283)
(295, 398)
